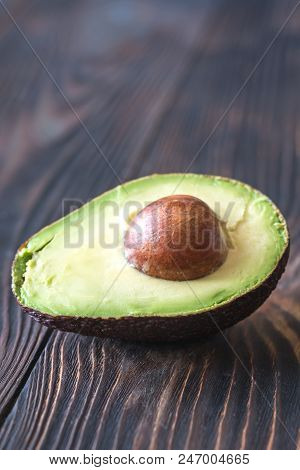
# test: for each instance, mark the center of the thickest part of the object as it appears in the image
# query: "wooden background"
(153, 83)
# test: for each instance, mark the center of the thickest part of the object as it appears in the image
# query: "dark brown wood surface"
(92, 92)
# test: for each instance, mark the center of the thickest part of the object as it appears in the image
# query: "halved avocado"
(73, 275)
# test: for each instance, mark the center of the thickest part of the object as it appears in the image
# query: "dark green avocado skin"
(167, 329)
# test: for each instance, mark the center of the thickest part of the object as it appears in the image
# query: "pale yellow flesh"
(93, 279)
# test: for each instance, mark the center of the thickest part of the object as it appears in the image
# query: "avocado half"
(72, 275)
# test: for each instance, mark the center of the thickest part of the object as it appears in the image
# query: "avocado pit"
(176, 238)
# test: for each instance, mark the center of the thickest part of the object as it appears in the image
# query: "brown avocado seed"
(177, 238)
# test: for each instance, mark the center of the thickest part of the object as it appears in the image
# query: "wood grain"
(62, 163)
(150, 80)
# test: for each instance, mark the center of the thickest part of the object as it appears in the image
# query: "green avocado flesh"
(76, 266)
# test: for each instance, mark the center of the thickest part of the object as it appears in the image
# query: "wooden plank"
(47, 155)
(237, 391)
(103, 394)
